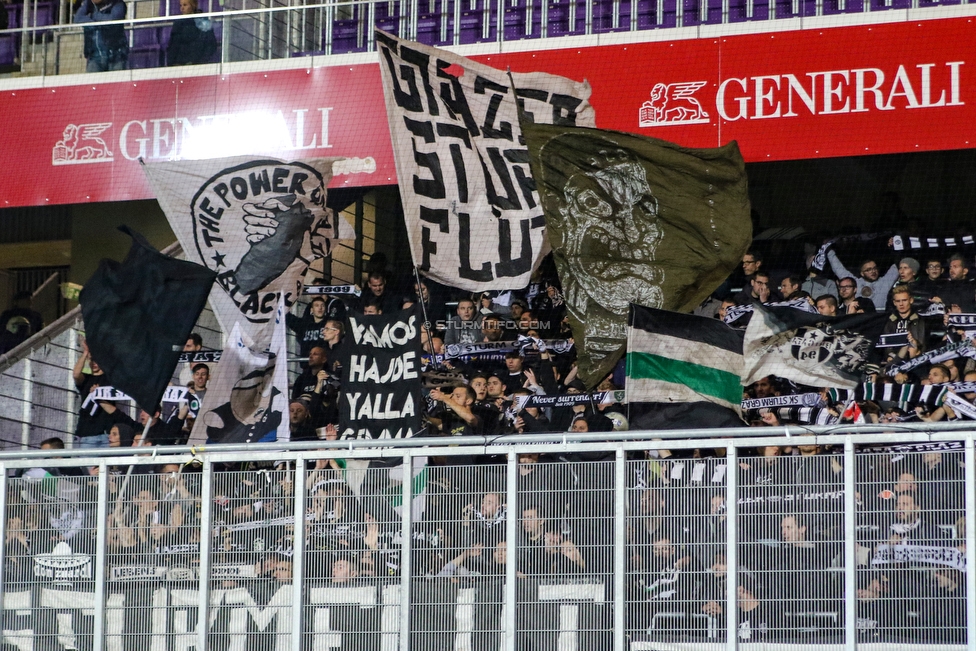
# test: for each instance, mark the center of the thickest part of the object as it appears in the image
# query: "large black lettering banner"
(381, 386)
(257, 616)
(470, 204)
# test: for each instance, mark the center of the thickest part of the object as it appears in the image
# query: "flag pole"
(423, 309)
(128, 473)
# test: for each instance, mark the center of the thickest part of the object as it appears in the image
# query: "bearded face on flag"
(611, 232)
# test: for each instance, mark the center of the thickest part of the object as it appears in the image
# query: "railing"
(629, 543)
(251, 30)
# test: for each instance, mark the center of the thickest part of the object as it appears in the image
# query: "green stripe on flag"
(707, 381)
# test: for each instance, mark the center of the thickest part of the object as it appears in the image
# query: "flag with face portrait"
(257, 223)
(636, 220)
(247, 398)
(471, 208)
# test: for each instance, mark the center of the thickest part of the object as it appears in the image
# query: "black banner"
(381, 388)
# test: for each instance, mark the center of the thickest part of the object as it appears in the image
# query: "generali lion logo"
(80, 144)
(672, 104)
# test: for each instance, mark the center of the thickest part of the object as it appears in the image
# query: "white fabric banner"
(247, 399)
(257, 222)
(469, 201)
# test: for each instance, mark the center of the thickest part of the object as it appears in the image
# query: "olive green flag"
(638, 220)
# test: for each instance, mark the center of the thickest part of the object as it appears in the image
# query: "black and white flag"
(381, 388)
(256, 222)
(247, 399)
(808, 348)
(470, 204)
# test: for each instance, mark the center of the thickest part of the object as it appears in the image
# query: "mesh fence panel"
(909, 550)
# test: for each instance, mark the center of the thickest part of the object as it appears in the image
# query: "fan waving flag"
(138, 315)
(470, 205)
(674, 357)
(635, 220)
(809, 348)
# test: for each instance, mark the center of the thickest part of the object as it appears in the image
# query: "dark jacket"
(191, 41)
(106, 42)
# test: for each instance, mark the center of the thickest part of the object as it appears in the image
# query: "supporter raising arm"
(870, 284)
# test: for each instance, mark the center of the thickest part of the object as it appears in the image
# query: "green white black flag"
(675, 357)
(635, 220)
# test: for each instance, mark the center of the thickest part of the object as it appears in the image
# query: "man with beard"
(307, 382)
(379, 295)
(790, 286)
(670, 581)
(758, 291)
(960, 291)
(870, 284)
(800, 576)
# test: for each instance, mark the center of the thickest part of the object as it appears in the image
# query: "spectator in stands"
(372, 306)
(106, 46)
(870, 284)
(960, 291)
(300, 420)
(306, 383)
(201, 376)
(309, 328)
(95, 418)
(905, 320)
(378, 292)
(817, 284)
(465, 327)
(847, 293)
(758, 290)
(192, 40)
(790, 286)
(932, 283)
(756, 620)
(826, 305)
(751, 263)
(910, 525)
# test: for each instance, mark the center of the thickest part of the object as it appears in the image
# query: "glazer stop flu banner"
(469, 201)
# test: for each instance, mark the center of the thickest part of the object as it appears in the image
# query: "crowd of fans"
(790, 526)
(909, 540)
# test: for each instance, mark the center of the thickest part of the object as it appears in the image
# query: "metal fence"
(40, 32)
(827, 542)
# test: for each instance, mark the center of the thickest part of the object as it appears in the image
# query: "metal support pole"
(101, 534)
(225, 31)
(28, 401)
(71, 403)
(457, 22)
(589, 17)
(731, 553)
(619, 551)
(970, 545)
(500, 20)
(298, 556)
(3, 526)
(406, 569)
(511, 553)
(357, 258)
(206, 547)
(850, 549)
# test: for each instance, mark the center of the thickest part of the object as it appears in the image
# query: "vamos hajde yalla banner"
(785, 95)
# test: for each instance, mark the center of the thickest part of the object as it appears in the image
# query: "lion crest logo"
(82, 143)
(672, 104)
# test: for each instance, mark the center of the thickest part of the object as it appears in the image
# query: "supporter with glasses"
(870, 284)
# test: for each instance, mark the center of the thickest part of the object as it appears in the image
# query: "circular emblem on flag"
(253, 221)
(866, 292)
(810, 399)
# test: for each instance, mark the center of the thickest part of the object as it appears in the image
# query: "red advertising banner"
(844, 91)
